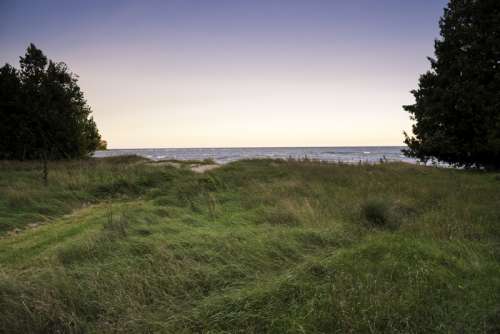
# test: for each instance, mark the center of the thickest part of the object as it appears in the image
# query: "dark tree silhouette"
(457, 103)
(43, 111)
(11, 113)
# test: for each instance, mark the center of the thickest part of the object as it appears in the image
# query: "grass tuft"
(377, 212)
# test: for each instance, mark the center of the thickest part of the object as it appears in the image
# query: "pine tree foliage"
(43, 111)
(457, 103)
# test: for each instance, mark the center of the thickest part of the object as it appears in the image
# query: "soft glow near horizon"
(235, 73)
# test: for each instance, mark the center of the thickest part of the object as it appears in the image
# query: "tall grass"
(253, 247)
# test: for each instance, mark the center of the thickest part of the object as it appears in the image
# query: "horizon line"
(243, 147)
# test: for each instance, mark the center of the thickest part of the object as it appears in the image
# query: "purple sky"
(185, 73)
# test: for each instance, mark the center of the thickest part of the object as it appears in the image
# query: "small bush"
(376, 212)
(383, 213)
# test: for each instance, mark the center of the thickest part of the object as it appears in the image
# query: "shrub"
(384, 213)
(376, 212)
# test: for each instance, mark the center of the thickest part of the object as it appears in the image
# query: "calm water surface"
(371, 154)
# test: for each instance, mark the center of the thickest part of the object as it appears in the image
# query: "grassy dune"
(252, 247)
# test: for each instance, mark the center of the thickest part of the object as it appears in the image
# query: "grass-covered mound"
(252, 247)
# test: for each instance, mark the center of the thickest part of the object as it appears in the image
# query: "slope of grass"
(252, 247)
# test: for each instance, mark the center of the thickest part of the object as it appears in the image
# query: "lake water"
(370, 154)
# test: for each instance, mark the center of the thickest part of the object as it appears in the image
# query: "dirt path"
(197, 168)
(203, 168)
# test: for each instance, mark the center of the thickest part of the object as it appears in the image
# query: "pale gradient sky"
(214, 73)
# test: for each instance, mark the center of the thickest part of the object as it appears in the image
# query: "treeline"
(43, 112)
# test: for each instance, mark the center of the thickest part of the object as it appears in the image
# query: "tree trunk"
(45, 172)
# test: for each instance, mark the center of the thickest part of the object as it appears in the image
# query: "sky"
(233, 73)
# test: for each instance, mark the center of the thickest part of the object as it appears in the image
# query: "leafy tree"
(46, 114)
(457, 103)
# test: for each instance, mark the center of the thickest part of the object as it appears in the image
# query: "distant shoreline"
(342, 154)
(249, 147)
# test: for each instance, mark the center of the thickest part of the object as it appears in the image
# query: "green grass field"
(262, 246)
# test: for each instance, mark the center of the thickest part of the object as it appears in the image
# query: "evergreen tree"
(11, 132)
(46, 114)
(457, 103)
